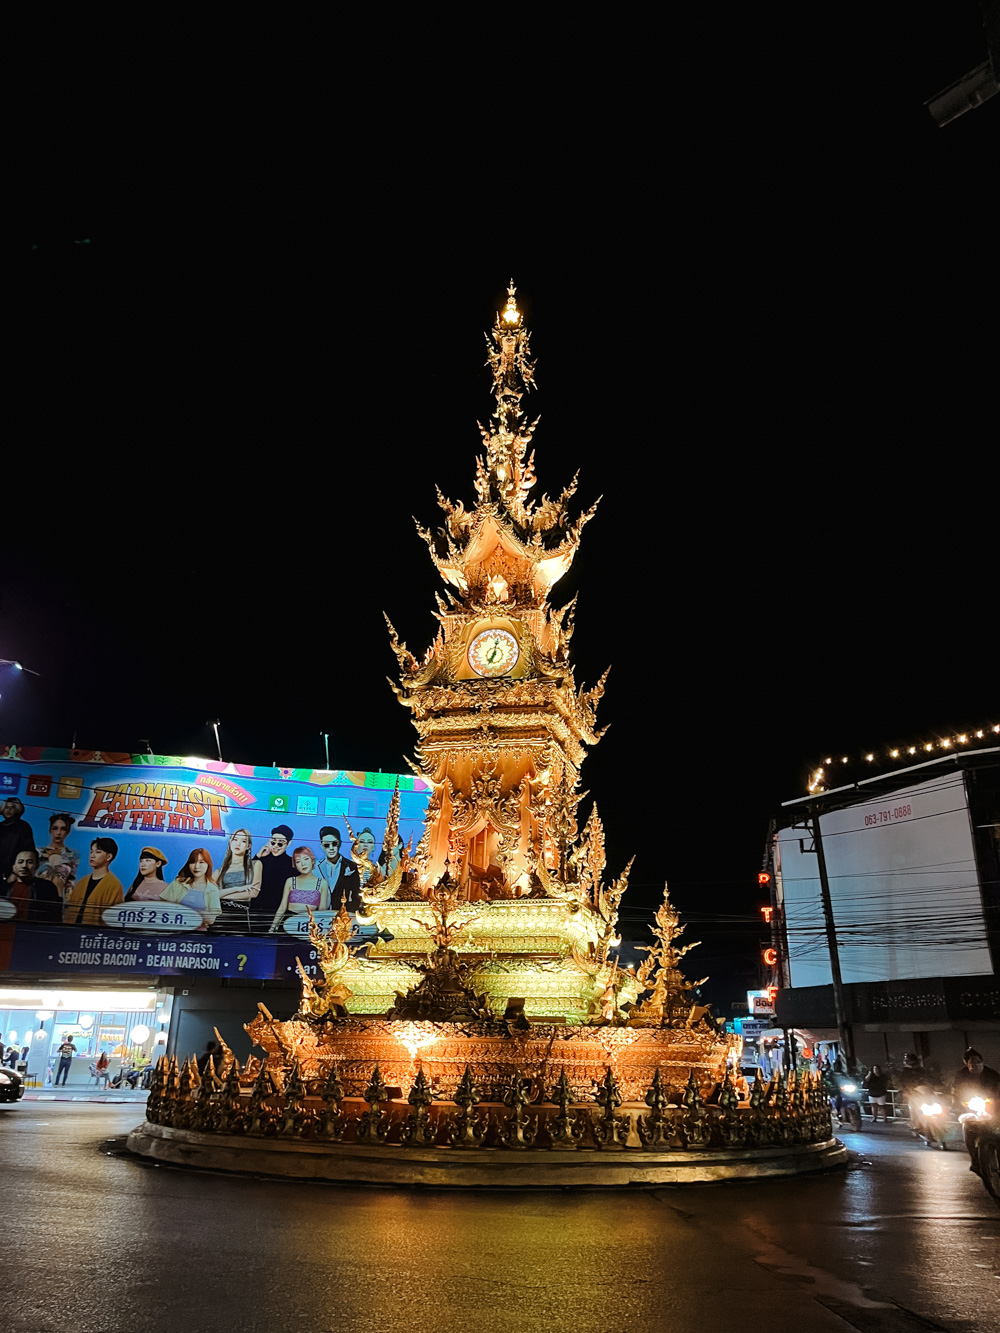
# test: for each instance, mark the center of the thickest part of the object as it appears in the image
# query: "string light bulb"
(817, 780)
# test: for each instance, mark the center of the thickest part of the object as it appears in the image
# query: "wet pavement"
(96, 1242)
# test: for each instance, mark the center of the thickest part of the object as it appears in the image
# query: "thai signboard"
(76, 949)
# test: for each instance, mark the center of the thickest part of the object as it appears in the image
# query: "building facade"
(894, 881)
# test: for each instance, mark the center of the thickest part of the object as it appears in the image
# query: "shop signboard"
(751, 1028)
(192, 818)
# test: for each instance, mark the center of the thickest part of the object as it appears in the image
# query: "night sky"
(764, 340)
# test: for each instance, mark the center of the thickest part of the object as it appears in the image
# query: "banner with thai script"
(75, 949)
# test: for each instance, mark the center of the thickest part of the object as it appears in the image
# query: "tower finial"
(507, 352)
(511, 314)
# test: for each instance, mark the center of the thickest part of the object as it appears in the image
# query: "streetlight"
(7, 661)
(213, 722)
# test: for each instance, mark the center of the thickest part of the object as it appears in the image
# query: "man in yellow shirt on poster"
(92, 893)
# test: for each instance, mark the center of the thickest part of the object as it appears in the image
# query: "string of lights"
(820, 776)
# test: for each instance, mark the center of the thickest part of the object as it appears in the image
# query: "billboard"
(903, 884)
(180, 845)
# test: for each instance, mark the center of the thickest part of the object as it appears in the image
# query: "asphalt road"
(95, 1242)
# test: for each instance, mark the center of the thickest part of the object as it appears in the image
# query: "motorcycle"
(933, 1119)
(981, 1134)
(847, 1103)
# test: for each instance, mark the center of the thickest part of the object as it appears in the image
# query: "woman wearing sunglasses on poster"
(193, 888)
(305, 889)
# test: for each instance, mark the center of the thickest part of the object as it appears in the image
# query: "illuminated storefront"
(130, 1027)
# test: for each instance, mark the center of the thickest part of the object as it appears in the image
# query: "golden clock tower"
(503, 728)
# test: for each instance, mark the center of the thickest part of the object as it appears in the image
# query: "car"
(11, 1085)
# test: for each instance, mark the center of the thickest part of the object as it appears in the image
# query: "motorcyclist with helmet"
(976, 1080)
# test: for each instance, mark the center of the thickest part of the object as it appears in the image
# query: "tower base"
(481, 1168)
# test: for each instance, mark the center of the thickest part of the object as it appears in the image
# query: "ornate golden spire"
(507, 550)
(668, 1000)
(505, 474)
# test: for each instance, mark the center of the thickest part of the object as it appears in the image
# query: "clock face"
(493, 653)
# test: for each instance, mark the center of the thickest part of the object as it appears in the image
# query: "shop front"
(82, 1039)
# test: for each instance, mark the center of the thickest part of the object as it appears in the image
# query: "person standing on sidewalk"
(877, 1087)
(66, 1052)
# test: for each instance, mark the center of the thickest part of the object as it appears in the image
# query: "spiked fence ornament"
(262, 1111)
(373, 1125)
(564, 1130)
(419, 1131)
(696, 1125)
(732, 1126)
(232, 1114)
(610, 1131)
(519, 1129)
(205, 1114)
(333, 1122)
(157, 1088)
(296, 1116)
(466, 1129)
(655, 1129)
(191, 1097)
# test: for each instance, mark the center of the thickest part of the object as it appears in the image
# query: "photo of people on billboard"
(190, 845)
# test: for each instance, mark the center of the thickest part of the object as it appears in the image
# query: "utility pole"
(839, 1008)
